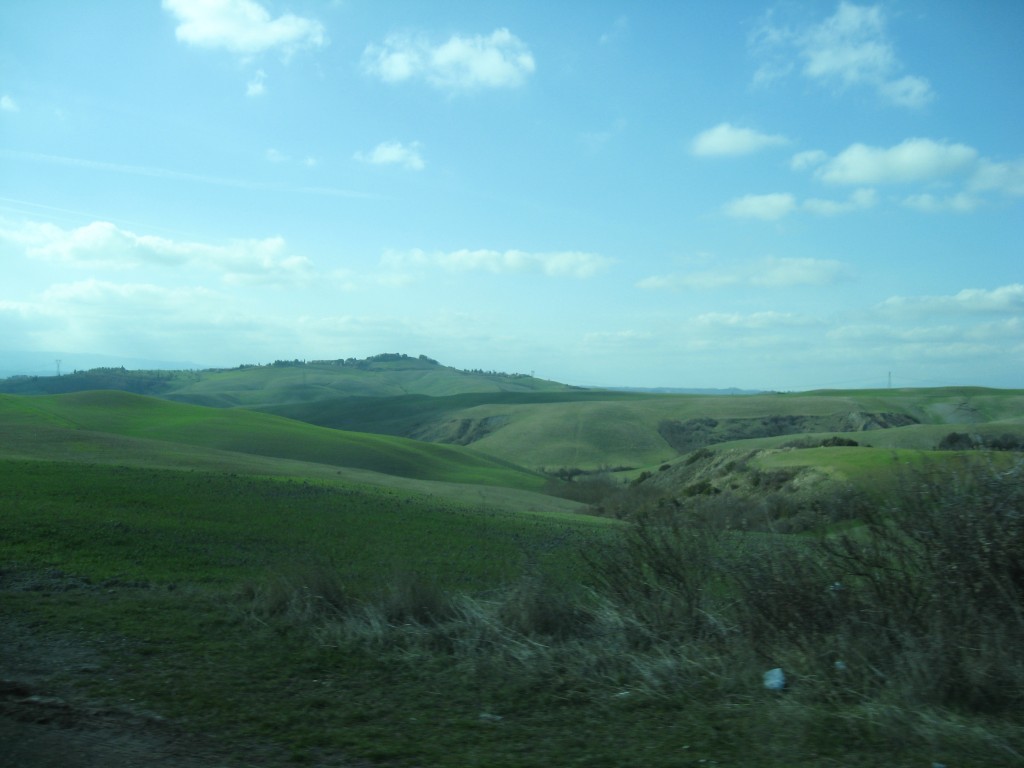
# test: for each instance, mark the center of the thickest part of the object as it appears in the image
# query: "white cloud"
(1007, 299)
(597, 140)
(928, 203)
(974, 324)
(908, 91)
(785, 272)
(499, 60)
(726, 139)
(242, 26)
(850, 48)
(754, 320)
(1006, 177)
(770, 272)
(803, 160)
(701, 281)
(103, 294)
(575, 264)
(7, 104)
(133, 319)
(767, 207)
(775, 206)
(276, 156)
(256, 86)
(913, 160)
(860, 200)
(101, 244)
(394, 153)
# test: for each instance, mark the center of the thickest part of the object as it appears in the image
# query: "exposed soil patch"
(461, 431)
(691, 434)
(46, 723)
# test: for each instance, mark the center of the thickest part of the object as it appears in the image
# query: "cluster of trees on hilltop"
(384, 357)
(482, 372)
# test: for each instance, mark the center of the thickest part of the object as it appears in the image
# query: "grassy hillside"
(66, 419)
(295, 593)
(543, 425)
(165, 525)
(287, 381)
(276, 622)
(594, 429)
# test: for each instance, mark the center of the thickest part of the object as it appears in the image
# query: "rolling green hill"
(49, 422)
(287, 381)
(476, 416)
(264, 571)
(591, 429)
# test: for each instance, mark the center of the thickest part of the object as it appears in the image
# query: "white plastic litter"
(775, 679)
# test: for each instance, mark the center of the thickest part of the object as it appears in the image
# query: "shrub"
(537, 608)
(311, 596)
(698, 455)
(662, 569)
(413, 599)
(936, 579)
(923, 595)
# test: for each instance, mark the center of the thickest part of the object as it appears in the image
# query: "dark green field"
(396, 562)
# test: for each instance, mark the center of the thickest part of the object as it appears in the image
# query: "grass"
(594, 429)
(405, 630)
(133, 416)
(104, 522)
(261, 580)
(257, 385)
(535, 423)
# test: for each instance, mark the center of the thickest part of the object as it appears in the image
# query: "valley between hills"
(280, 564)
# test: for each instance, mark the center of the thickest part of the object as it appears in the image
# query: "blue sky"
(777, 195)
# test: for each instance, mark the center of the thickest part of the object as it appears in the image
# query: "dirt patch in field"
(46, 723)
(460, 431)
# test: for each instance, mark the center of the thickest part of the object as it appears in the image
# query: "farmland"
(394, 571)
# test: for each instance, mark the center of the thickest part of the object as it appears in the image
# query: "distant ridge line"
(688, 391)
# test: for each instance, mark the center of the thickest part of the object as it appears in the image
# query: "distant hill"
(688, 391)
(594, 429)
(287, 381)
(52, 363)
(515, 419)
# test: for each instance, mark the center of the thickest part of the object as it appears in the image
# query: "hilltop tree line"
(384, 357)
(353, 362)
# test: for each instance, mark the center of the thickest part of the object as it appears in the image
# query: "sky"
(766, 195)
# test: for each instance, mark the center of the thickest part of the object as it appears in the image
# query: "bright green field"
(152, 519)
(624, 431)
(76, 417)
(165, 526)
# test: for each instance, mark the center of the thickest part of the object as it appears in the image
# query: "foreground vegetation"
(321, 596)
(412, 632)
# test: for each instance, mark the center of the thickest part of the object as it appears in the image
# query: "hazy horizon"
(760, 195)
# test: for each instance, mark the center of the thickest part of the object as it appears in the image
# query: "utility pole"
(890, 379)
(58, 367)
